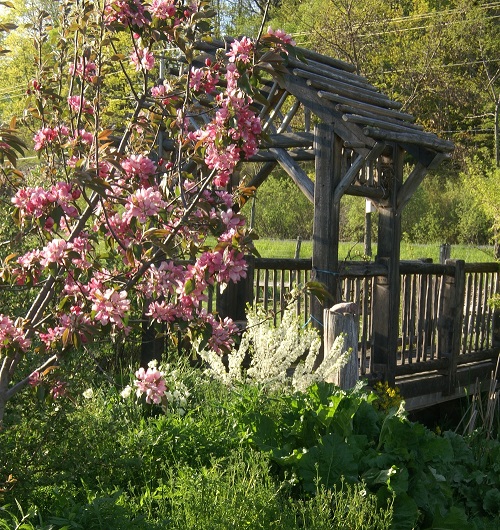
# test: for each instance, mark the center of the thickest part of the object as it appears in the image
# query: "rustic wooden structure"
(319, 111)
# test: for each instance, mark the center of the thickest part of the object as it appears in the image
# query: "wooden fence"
(445, 320)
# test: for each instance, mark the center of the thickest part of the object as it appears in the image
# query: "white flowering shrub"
(286, 354)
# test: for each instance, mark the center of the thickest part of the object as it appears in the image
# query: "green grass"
(275, 248)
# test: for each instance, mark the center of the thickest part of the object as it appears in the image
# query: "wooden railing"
(445, 319)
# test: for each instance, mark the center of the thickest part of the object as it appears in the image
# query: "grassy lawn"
(276, 248)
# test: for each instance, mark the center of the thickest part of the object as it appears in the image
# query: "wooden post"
(386, 289)
(450, 320)
(328, 151)
(343, 319)
(444, 253)
(495, 339)
(233, 300)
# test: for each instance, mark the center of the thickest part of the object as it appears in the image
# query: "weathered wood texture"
(328, 148)
(340, 323)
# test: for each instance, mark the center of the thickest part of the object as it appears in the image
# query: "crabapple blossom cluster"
(160, 387)
(37, 202)
(12, 335)
(151, 383)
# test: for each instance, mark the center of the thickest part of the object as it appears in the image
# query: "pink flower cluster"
(126, 12)
(39, 201)
(144, 203)
(80, 104)
(150, 382)
(224, 266)
(75, 321)
(163, 9)
(12, 335)
(241, 50)
(139, 166)
(110, 306)
(142, 59)
(84, 69)
(279, 34)
(203, 80)
(53, 252)
(222, 333)
(47, 135)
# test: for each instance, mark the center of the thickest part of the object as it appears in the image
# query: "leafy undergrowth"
(241, 457)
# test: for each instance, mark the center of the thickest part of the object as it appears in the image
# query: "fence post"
(385, 303)
(495, 339)
(450, 320)
(233, 300)
(444, 253)
(343, 319)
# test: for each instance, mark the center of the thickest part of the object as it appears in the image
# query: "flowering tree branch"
(113, 222)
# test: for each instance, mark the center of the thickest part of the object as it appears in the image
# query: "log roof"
(363, 115)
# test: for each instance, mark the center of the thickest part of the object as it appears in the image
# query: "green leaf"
(405, 513)
(327, 462)
(491, 502)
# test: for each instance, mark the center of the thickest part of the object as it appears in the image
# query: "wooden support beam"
(275, 110)
(419, 138)
(414, 180)
(337, 98)
(332, 73)
(289, 139)
(325, 260)
(375, 114)
(323, 59)
(450, 320)
(376, 194)
(386, 289)
(340, 86)
(401, 127)
(352, 172)
(299, 155)
(298, 175)
(324, 110)
(289, 116)
(262, 175)
(354, 93)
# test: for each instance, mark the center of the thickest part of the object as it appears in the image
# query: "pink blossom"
(84, 69)
(142, 58)
(139, 166)
(110, 306)
(144, 203)
(163, 8)
(203, 80)
(163, 92)
(222, 332)
(162, 312)
(77, 102)
(44, 136)
(231, 220)
(54, 252)
(284, 37)
(12, 335)
(241, 50)
(35, 379)
(152, 383)
(84, 136)
(126, 12)
(59, 389)
(163, 280)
